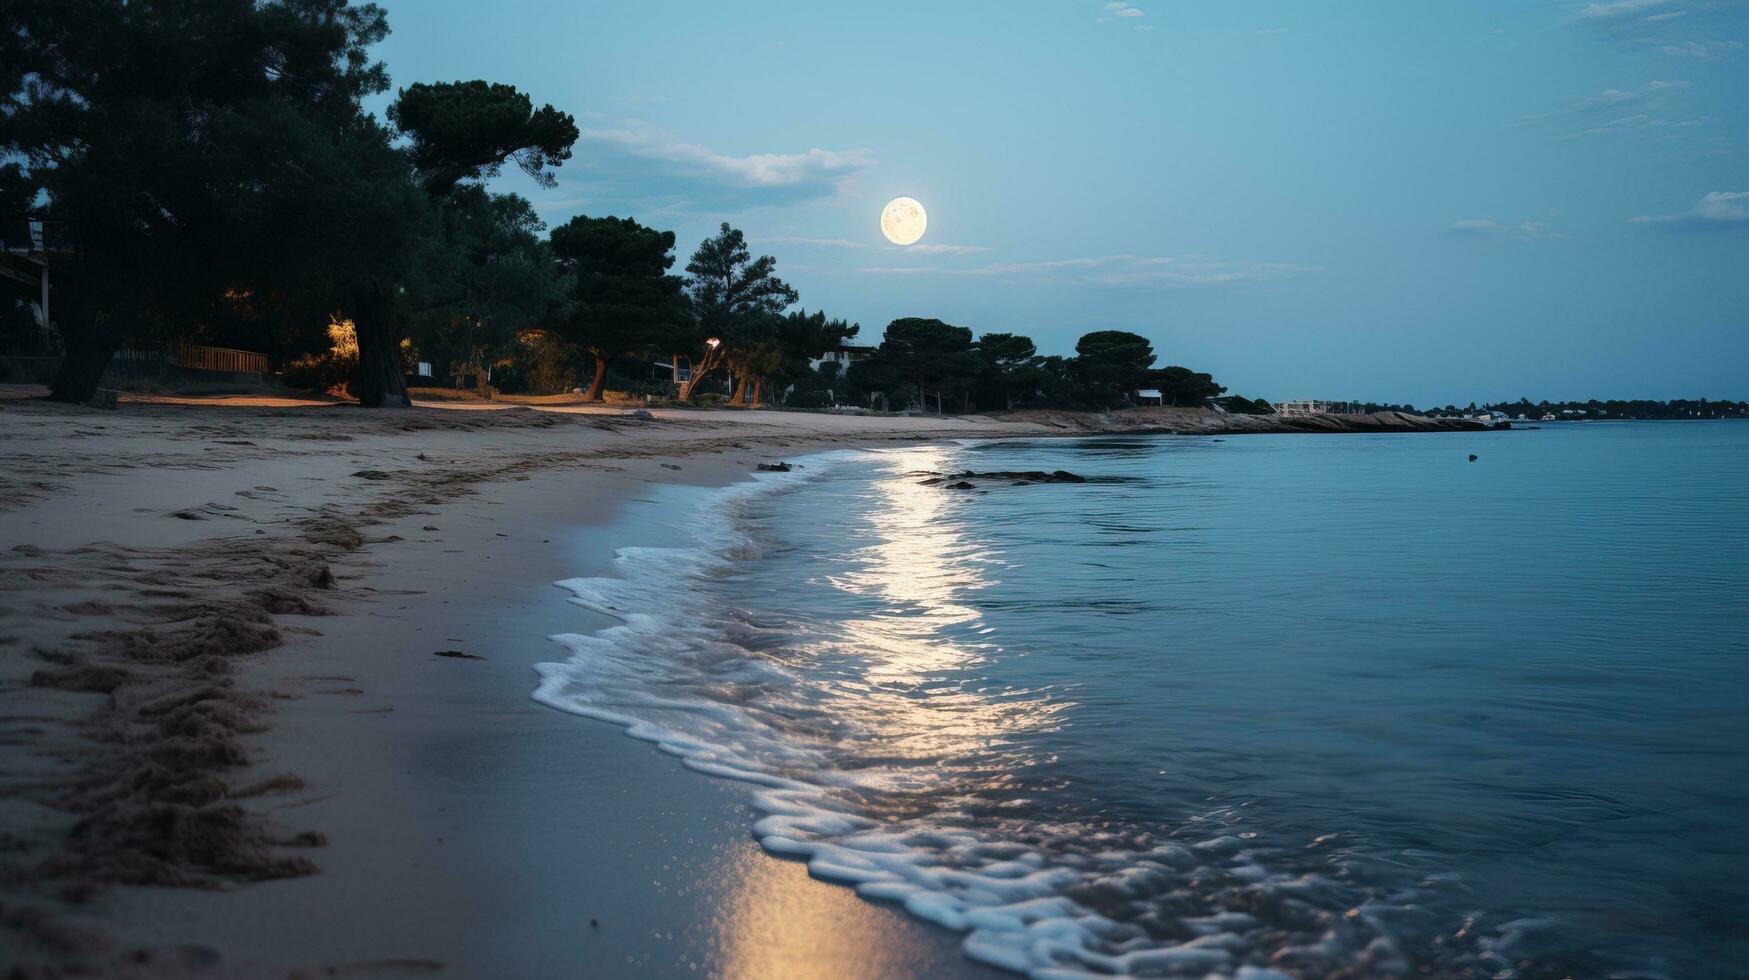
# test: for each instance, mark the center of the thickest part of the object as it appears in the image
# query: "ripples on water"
(1320, 705)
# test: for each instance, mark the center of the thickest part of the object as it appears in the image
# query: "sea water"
(1304, 705)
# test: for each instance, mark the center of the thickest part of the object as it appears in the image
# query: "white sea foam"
(682, 669)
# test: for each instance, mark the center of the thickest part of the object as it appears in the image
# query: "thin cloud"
(1643, 112)
(638, 162)
(1653, 93)
(1719, 209)
(1699, 29)
(1122, 12)
(946, 249)
(1503, 230)
(1165, 272)
(816, 242)
(1701, 50)
(1621, 10)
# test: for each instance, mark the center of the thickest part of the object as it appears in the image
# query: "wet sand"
(231, 745)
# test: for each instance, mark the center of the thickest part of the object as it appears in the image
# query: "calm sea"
(1321, 705)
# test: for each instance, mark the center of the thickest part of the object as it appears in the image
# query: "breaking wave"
(855, 691)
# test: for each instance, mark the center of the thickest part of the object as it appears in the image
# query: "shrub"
(329, 370)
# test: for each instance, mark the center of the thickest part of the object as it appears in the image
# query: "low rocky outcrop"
(1019, 478)
(1203, 421)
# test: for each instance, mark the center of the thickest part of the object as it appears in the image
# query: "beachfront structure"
(1313, 406)
(843, 356)
(29, 248)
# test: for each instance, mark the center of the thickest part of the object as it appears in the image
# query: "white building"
(1313, 406)
(842, 356)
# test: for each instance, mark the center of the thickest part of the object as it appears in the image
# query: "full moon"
(903, 221)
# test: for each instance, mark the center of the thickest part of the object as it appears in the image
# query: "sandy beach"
(266, 688)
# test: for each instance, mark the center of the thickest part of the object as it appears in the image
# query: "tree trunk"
(740, 395)
(706, 366)
(381, 380)
(482, 383)
(600, 380)
(82, 367)
(758, 384)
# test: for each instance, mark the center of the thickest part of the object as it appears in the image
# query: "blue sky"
(1423, 202)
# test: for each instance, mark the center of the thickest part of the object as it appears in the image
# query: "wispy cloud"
(1126, 13)
(1702, 29)
(1620, 10)
(1700, 50)
(816, 242)
(636, 161)
(1653, 93)
(946, 249)
(1719, 209)
(1644, 111)
(1503, 230)
(1110, 270)
(1642, 124)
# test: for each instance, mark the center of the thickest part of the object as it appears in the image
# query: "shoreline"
(204, 661)
(342, 745)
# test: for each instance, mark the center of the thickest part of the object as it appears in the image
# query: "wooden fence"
(220, 359)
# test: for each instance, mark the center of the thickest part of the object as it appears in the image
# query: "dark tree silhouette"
(147, 126)
(1112, 364)
(622, 297)
(467, 130)
(736, 298)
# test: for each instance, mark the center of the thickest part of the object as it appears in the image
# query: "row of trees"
(938, 366)
(1636, 408)
(222, 182)
(215, 166)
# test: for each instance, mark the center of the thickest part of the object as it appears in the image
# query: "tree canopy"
(621, 296)
(216, 167)
(736, 299)
(147, 128)
(467, 130)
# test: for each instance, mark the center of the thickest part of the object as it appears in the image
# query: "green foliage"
(148, 125)
(329, 369)
(1012, 370)
(1111, 365)
(796, 340)
(1182, 386)
(466, 130)
(486, 278)
(732, 291)
(620, 296)
(1240, 405)
(737, 301)
(920, 358)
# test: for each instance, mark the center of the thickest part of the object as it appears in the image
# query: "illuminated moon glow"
(903, 221)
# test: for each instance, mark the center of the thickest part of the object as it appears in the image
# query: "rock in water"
(774, 467)
(1472, 457)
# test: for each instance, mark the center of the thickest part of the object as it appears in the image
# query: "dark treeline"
(210, 176)
(936, 366)
(1636, 408)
